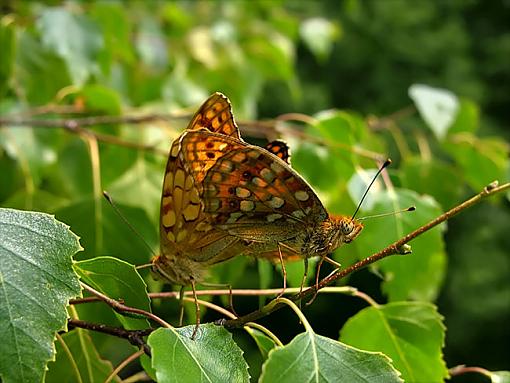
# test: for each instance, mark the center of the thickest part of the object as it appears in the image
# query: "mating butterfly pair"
(223, 197)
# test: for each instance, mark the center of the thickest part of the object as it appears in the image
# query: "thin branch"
(238, 292)
(123, 364)
(135, 337)
(121, 308)
(398, 247)
(462, 369)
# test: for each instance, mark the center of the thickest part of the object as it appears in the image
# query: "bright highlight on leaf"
(37, 248)
(438, 107)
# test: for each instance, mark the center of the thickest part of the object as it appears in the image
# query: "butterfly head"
(343, 230)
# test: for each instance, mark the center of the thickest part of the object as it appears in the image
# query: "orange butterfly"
(223, 197)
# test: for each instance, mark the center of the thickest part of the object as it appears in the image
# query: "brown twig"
(462, 369)
(121, 308)
(135, 337)
(398, 247)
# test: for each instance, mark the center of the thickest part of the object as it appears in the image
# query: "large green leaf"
(418, 275)
(211, 357)
(314, 358)
(410, 333)
(118, 280)
(483, 160)
(73, 37)
(82, 359)
(36, 283)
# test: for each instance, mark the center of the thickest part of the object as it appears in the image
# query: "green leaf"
(314, 358)
(437, 107)
(500, 376)
(73, 37)
(211, 357)
(36, 281)
(85, 361)
(120, 281)
(433, 178)
(410, 333)
(482, 160)
(418, 275)
(101, 99)
(319, 35)
(39, 72)
(264, 343)
(8, 44)
(468, 118)
(103, 232)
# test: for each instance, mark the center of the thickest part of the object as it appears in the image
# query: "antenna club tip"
(107, 196)
(387, 163)
(411, 208)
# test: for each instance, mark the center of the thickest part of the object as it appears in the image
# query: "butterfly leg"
(283, 271)
(305, 275)
(181, 306)
(230, 294)
(197, 309)
(317, 277)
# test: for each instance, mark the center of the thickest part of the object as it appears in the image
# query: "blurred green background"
(271, 58)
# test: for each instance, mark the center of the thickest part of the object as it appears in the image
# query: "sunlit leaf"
(211, 357)
(438, 107)
(410, 333)
(33, 247)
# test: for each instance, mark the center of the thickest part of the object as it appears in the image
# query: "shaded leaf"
(417, 275)
(319, 35)
(264, 343)
(410, 333)
(211, 357)
(33, 247)
(120, 281)
(87, 362)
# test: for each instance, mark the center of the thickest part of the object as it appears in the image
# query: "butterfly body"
(223, 197)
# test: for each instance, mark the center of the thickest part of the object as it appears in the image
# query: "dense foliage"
(93, 93)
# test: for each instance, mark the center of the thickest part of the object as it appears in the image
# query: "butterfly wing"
(215, 115)
(249, 192)
(280, 149)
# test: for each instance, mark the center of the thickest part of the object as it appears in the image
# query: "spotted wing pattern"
(280, 149)
(215, 115)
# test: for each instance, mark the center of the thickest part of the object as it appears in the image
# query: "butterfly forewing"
(215, 115)
(250, 192)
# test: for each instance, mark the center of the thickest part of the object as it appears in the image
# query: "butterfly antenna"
(133, 229)
(410, 208)
(385, 165)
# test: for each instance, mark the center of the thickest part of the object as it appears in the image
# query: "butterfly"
(223, 197)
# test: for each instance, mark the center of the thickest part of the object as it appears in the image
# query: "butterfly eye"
(347, 227)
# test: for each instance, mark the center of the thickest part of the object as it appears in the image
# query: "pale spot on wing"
(301, 195)
(298, 214)
(181, 235)
(259, 182)
(177, 199)
(277, 168)
(214, 204)
(226, 166)
(242, 192)
(216, 177)
(276, 202)
(169, 181)
(189, 182)
(273, 217)
(168, 219)
(267, 175)
(170, 236)
(234, 217)
(193, 196)
(239, 157)
(203, 226)
(179, 178)
(246, 206)
(222, 146)
(191, 212)
(175, 150)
